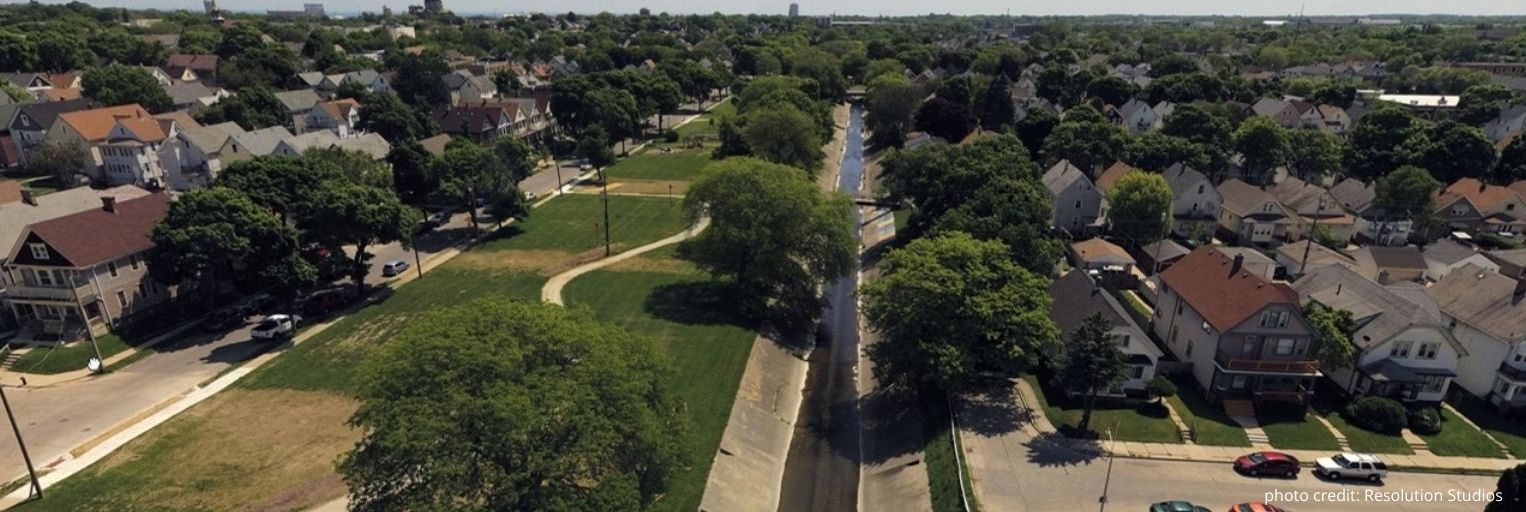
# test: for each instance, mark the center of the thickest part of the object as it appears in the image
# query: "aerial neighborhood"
(276, 257)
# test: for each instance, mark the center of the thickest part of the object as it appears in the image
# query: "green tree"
(996, 111)
(1385, 139)
(269, 65)
(783, 135)
(1456, 150)
(890, 109)
(1160, 387)
(1263, 143)
(469, 173)
(346, 214)
(593, 146)
(394, 120)
(517, 157)
(509, 405)
(1511, 490)
(946, 119)
(117, 84)
(1482, 103)
(60, 51)
(1201, 127)
(1090, 364)
(1087, 144)
(1139, 207)
(120, 47)
(413, 172)
(253, 108)
(1512, 162)
(1332, 332)
(1312, 153)
(17, 53)
(1035, 128)
(951, 308)
(1157, 151)
(1111, 90)
(358, 166)
(61, 160)
(418, 80)
(822, 67)
(218, 235)
(773, 234)
(1409, 192)
(277, 183)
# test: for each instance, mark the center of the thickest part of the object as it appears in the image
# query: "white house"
(1076, 297)
(1194, 201)
(1486, 314)
(1076, 203)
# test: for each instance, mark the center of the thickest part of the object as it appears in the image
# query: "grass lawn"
(708, 343)
(1146, 423)
(1301, 434)
(942, 476)
(1208, 423)
(1365, 441)
(1460, 439)
(51, 360)
(902, 215)
(656, 165)
(705, 124)
(270, 442)
(574, 224)
(1502, 429)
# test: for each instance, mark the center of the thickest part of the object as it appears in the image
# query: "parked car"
(440, 218)
(323, 303)
(1351, 465)
(1176, 506)
(223, 320)
(275, 327)
(1256, 506)
(1267, 463)
(394, 267)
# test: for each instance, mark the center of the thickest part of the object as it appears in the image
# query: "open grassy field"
(706, 125)
(1305, 433)
(271, 442)
(1146, 423)
(1461, 439)
(708, 342)
(653, 164)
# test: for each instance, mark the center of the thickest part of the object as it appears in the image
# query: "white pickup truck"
(276, 327)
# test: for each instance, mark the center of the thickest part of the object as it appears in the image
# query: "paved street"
(1016, 469)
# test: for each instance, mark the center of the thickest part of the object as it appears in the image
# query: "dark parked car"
(1176, 506)
(323, 303)
(1267, 463)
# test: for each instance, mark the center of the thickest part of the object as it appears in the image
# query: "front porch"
(1390, 379)
(45, 323)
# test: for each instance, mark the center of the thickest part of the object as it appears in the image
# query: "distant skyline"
(883, 7)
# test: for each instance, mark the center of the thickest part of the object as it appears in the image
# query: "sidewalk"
(1201, 453)
(38, 380)
(552, 291)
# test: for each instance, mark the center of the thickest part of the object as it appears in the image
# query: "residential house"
(1424, 105)
(1509, 262)
(299, 103)
(1374, 225)
(1111, 175)
(1104, 259)
(244, 146)
(30, 208)
(1313, 208)
(368, 78)
(33, 82)
(1444, 256)
(130, 153)
(193, 157)
(1488, 316)
(85, 273)
(371, 144)
(1159, 255)
(1246, 337)
(1163, 110)
(338, 116)
(1388, 265)
(26, 125)
(1405, 350)
(165, 79)
(310, 79)
(1077, 297)
(1332, 120)
(1469, 204)
(1254, 261)
(296, 145)
(465, 86)
(1252, 216)
(201, 66)
(436, 145)
(1305, 255)
(1195, 202)
(1510, 121)
(193, 96)
(1279, 110)
(1076, 203)
(1136, 116)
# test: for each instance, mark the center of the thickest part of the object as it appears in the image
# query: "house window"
(122, 298)
(1274, 319)
(1433, 384)
(1285, 346)
(111, 267)
(1518, 357)
(1200, 188)
(135, 260)
(1123, 341)
(1401, 349)
(1427, 351)
(1138, 373)
(1249, 348)
(1078, 204)
(142, 289)
(39, 251)
(44, 277)
(1238, 382)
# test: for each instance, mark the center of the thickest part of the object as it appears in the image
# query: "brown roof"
(144, 129)
(94, 124)
(1224, 298)
(1109, 177)
(340, 108)
(1485, 197)
(96, 235)
(194, 62)
(10, 191)
(1099, 250)
(62, 94)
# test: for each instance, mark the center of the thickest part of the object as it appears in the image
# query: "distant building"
(308, 11)
(434, 6)
(794, 10)
(210, 6)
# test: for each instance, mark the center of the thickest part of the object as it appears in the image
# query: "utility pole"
(558, 164)
(36, 492)
(604, 180)
(1108, 480)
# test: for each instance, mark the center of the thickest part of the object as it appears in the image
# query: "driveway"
(59, 418)
(1014, 468)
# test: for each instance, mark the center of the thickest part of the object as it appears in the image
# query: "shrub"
(1160, 387)
(670, 136)
(1378, 414)
(1425, 421)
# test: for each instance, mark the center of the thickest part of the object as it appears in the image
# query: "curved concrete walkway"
(552, 291)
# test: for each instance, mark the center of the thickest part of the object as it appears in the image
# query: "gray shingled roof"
(1447, 252)
(210, 139)
(1354, 195)
(1241, 197)
(1061, 176)
(1380, 312)
(18, 215)
(262, 141)
(1077, 297)
(300, 100)
(1485, 300)
(368, 143)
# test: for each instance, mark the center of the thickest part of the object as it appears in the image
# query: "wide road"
(822, 469)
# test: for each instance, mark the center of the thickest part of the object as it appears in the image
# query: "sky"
(885, 7)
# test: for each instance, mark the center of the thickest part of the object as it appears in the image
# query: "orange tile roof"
(94, 124)
(1485, 197)
(62, 94)
(145, 129)
(1223, 297)
(10, 191)
(1109, 177)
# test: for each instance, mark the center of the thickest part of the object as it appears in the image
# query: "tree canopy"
(121, 85)
(1090, 363)
(1139, 207)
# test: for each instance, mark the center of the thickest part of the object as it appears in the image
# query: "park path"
(552, 291)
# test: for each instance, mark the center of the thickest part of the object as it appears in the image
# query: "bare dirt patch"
(630, 186)
(657, 264)
(513, 260)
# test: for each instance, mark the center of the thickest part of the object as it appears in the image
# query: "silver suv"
(1351, 465)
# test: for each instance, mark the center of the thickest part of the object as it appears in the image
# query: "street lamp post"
(36, 492)
(1102, 502)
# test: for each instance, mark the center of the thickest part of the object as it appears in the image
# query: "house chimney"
(1238, 264)
(28, 197)
(109, 203)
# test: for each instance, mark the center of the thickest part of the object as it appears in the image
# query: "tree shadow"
(1052, 449)
(1155, 410)
(500, 235)
(236, 352)
(700, 302)
(992, 411)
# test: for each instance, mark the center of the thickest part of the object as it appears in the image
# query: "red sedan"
(1267, 463)
(1256, 507)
